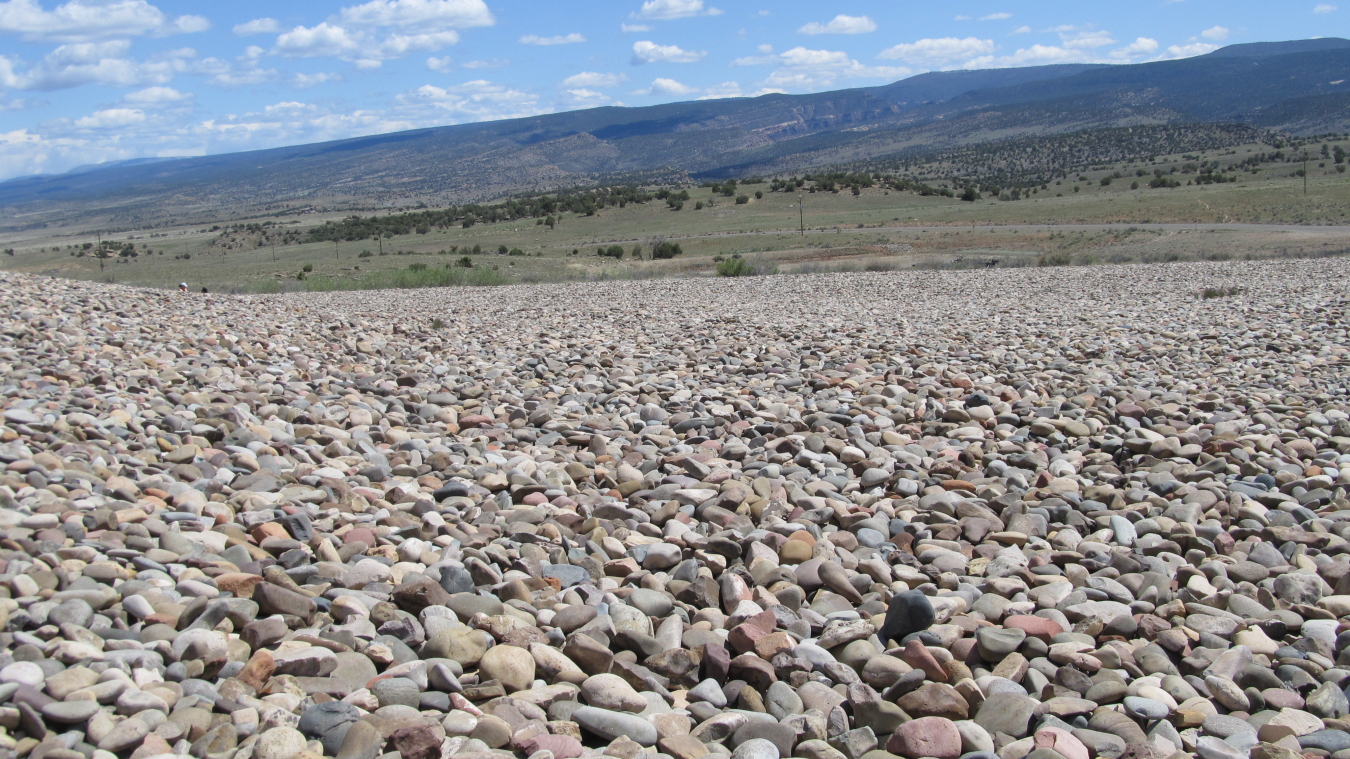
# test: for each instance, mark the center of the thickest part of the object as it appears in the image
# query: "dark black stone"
(907, 613)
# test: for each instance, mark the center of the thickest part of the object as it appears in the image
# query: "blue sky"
(87, 81)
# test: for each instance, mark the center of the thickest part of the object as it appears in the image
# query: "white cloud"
(495, 63)
(594, 79)
(111, 118)
(665, 10)
(802, 68)
(422, 14)
(1141, 46)
(663, 86)
(841, 24)
(477, 100)
(964, 18)
(305, 81)
(937, 52)
(258, 26)
(399, 45)
(561, 39)
(1324, 9)
(105, 63)
(441, 65)
(18, 104)
(155, 96)
(321, 40)
(630, 28)
(996, 17)
(1216, 33)
(584, 98)
(1022, 30)
(414, 26)
(1188, 51)
(733, 90)
(647, 51)
(1089, 39)
(91, 19)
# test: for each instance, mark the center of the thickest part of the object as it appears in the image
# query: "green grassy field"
(1076, 220)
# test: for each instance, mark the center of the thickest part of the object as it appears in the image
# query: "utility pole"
(1305, 172)
(98, 249)
(380, 237)
(274, 250)
(801, 215)
(335, 249)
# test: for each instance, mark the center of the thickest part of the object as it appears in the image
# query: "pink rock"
(916, 655)
(935, 737)
(562, 746)
(1035, 627)
(534, 499)
(1279, 698)
(1062, 743)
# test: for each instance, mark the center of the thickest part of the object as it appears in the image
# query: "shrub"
(437, 323)
(365, 254)
(665, 249)
(1106, 181)
(1221, 292)
(740, 267)
(1054, 259)
(516, 252)
(417, 267)
(308, 268)
(613, 251)
(759, 194)
(742, 199)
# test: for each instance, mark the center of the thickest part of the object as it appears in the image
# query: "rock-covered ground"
(1056, 514)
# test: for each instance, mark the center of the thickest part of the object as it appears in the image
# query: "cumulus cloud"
(156, 96)
(1141, 46)
(90, 20)
(666, 10)
(661, 86)
(305, 81)
(594, 79)
(111, 118)
(321, 40)
(1175, 52)
(106, 63)
(257, 26)
(440, 65)
(938, 52)
(802, 68)
(422, 14)
(841, 24)
(1088, 40)
(561, 39)
(647, 51)
(381, 30)
(477, 100)
(584, 98)
(1216, 33)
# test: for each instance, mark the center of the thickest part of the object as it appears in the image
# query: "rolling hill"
(1301, 86)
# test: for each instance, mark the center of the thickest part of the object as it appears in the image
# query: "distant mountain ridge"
(1301, 86)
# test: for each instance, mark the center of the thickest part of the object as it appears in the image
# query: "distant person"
(182, 287)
